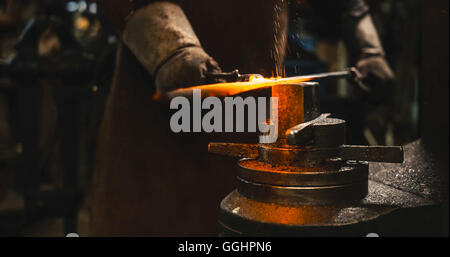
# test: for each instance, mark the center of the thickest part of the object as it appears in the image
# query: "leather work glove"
(374, 70)
(187, 67)
(162, 39)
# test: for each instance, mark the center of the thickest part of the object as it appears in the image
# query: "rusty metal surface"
(383, 195)
(234, 149)
(304, 195)
(310, 157)
(392, 154)
(296, 156)
(303, 132)
(418, 175)
(381, 200)
(310, 163)
(322, 133)
(393, 194)
(290, 108)
(309, 177)
(336, 173)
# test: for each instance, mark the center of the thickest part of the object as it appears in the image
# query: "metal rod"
(326, 75)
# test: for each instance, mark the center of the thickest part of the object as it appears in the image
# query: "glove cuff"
(174, 55)
(156, 32)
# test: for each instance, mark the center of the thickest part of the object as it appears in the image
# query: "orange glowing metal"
(254, 83)
(234, 88)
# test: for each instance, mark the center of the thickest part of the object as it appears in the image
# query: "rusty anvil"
(310, 177)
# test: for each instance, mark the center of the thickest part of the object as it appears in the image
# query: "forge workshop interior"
(277, 118)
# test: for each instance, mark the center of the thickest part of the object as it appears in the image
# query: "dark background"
(60, 118)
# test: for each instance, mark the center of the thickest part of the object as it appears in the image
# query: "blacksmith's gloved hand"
(186, 68)
(374, 70)
(366, 49)
(162, 39)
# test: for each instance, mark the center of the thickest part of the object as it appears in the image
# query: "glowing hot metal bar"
(258, 82)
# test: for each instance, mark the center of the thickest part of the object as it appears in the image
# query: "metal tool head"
(234, 76)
